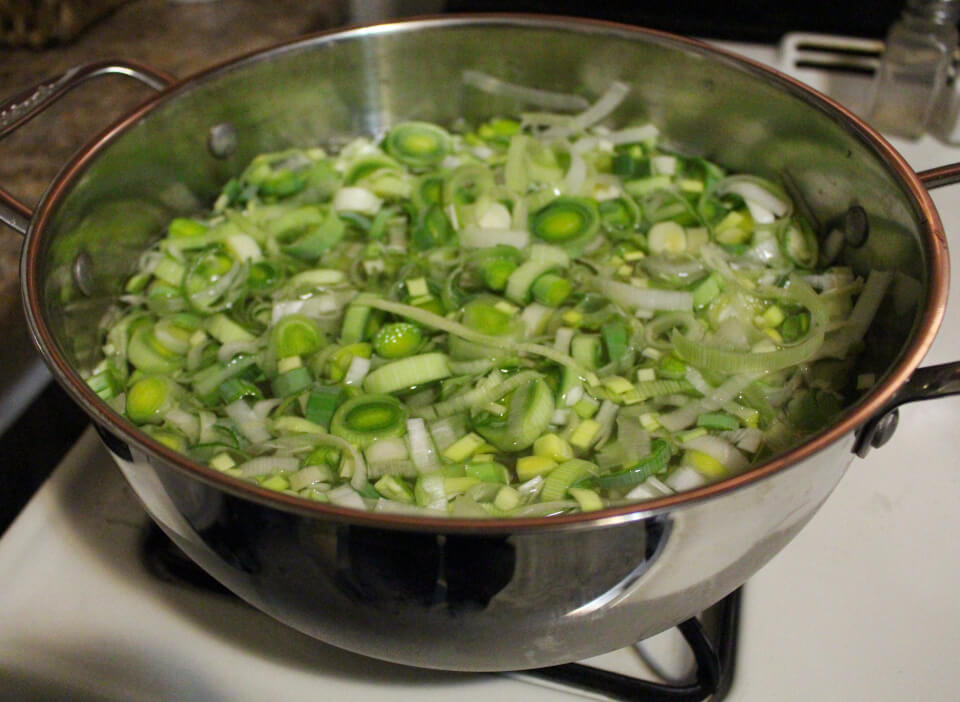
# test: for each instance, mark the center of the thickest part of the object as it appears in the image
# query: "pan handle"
(27, 104)
(926, 383)
(940, 176)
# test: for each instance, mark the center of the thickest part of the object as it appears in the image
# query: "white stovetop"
(863, 605)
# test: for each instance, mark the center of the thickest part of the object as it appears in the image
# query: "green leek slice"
(417, 144)
(149, 398)
(291, 382)
(322, 403)
(407, 373)
(296, 335)
(306, 233)
(398, 340)
(530, 408)
(654, 464)
(570, 222)
(565, 476)
(366, 418)
(149, 355)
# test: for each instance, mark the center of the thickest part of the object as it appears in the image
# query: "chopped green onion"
(394, 488)
(463, 448)
(233, 389)
(565, 476)
(148, 355)
(529, 412)
(433, 229)
(355, 323)
(706, 291)
(531, 466)
(182, 227)
(226, 331)
(588, 500)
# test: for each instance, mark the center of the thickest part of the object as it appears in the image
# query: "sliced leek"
(538, 314)
(367, 418)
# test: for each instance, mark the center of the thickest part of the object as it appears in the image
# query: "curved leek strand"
(734, 362)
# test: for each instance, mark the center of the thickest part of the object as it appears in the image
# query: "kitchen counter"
(180, 38)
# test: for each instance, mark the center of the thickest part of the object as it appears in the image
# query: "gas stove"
(861, 605)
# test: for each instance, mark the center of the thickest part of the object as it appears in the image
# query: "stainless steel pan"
(460, 594)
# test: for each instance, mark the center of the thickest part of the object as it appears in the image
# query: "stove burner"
(715, 658)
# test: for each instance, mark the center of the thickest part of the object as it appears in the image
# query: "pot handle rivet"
(222, 140)
(856, 226)
(876, 432)
(885, 428)
(83, 273)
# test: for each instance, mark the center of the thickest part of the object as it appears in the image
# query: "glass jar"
(914, 67)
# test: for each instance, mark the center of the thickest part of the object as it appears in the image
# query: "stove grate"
(715, 659)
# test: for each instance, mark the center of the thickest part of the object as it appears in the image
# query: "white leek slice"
(243, 247)
(247, 421)
(266, 465)
(607, 103)
(346, 496)
(634, 135)
(495, 216)
(355, 199)
(359, 367)
(473, 237)
(723, 451)
(645, 298)
(576, 175)
(687, 415)
(393, 448)
(685, 478)
(421, 448)
(758, 191)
